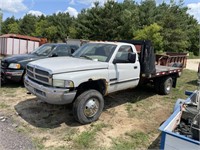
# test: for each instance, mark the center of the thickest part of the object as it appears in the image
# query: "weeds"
(3, 105)
(132, 140)
(38, 143)
(69, 134)
(87, 138)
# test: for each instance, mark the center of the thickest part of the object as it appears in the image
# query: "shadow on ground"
(45, 115)
(12, 84)
(193, 82)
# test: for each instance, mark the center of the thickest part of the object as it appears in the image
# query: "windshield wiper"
(86, 56)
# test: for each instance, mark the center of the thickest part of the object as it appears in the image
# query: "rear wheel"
(88, 106)
(164, 85)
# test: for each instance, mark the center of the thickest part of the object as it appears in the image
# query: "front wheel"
(88, 106)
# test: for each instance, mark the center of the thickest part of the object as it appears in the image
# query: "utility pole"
(199, 40)
(1, 18)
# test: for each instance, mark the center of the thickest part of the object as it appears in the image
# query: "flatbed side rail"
(160, 73)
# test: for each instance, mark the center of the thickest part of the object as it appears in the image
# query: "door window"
(122, 54)
(62, 50)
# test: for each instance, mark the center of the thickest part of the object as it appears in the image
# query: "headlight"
(63, 83)
(14, 66)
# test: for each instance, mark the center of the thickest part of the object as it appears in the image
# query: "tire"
(165, 85)
(88, 106)
(157, 85)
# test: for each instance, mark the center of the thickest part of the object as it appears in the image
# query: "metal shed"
(11, 44)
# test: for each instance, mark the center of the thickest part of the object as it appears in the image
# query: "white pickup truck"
(95, 70)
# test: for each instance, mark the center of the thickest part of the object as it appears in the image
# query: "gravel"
(10, 139)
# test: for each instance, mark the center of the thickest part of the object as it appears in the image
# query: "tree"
(100, 22)
(5, 24)
(175, 21)
(129, 18)
(168, 24)
(14, 28)
(147, 12)
(27, 24)
(40, 28)
(51, 31)
(153, 33)
(61, 22)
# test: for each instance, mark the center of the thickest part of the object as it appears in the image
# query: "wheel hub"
(91, 108)
(168, 86)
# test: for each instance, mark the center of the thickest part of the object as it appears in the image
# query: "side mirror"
(132, 57)
(115, 61)
(54, 55)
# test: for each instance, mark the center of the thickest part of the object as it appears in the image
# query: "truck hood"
(68, 64)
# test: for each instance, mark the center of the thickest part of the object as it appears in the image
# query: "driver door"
(123, 73)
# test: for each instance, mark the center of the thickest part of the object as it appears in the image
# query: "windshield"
(43, 50)
(96, 51)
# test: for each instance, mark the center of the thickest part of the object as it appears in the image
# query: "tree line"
(168, 26)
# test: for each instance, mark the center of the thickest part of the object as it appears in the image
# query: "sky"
(18, 8)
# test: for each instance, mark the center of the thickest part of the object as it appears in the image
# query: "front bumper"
(49, 94)
(14, 75)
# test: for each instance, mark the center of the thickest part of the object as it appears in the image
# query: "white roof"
(108, 42)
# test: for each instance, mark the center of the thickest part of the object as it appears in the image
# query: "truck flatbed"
(160, 70)
(163, 70)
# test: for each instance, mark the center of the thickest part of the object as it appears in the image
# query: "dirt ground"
(138, 110)
(192, 64)
(49, 122)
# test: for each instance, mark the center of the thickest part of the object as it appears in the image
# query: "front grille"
(42, 72)
(29, 73)
(39, 75)
(41, 78)
(30, 68)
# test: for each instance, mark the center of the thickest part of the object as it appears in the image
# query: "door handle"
(135, 67)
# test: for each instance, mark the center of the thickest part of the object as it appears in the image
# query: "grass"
(69, 134)
(86, 140)
(3, 105)
(192, 56)
(131, 140)
(38, 143)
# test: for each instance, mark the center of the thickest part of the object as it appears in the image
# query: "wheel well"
(22, 77)
(99, 85)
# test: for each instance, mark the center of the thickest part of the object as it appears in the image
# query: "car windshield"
(95, 51)
(43, 50)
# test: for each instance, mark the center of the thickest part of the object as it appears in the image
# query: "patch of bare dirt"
(192, 64)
